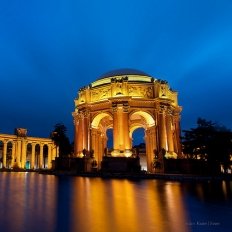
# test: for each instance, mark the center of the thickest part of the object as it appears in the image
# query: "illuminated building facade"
(21, 151)
(123, 101)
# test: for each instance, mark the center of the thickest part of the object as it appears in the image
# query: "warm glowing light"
(149, 119)
(125, 102)
(98, 118)
(170, 155)
(128, 153)
(115, 153)
(81, 155)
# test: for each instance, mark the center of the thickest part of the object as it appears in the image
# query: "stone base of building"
(70, 164)
(120, 165)
(191, 166)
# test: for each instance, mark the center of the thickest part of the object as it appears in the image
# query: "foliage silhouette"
(208, 141)
(58, 135)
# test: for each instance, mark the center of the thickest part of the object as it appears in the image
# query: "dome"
(133, 75)
(122, 72)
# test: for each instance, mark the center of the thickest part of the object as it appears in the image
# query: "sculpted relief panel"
(136, 91)
(141, 91)
(101, 93)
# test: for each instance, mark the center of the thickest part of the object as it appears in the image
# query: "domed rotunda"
(125, 100)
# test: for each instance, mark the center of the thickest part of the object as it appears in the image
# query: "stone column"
(76, 125)
(54, 151)
(169, 132)
(41, 161)
(162, 129)
(121, 130)
(18, 155)
(101, 147)
(93, 141)
(178, 148)
(126, 129)
(85, 131)
(13, 154)
(4, 154)
(32, 155)
(153, 147)
(49, 156)
(115, 128)
(148, 148)
(57, 151)
(80, 136)
(96, 144)
(23, 161)
(120, 136)
(87, 121)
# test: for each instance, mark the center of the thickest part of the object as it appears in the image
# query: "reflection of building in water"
(21, 151)
(124, 101)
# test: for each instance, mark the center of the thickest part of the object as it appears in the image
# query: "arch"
(135, 126)
(139, 131)
(97, 119)
(139, 146)
(146, 116)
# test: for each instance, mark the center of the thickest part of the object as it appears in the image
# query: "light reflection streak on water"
(175, 207)
(122, 205)
(25, 199)
(33, 202)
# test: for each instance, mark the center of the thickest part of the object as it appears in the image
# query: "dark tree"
(208, 141)
(220, 148)
(61, 140)
(196, 140)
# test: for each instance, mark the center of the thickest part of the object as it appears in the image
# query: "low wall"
(120, 165)
(190, 166)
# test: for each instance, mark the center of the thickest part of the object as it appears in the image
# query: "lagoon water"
(34, 202)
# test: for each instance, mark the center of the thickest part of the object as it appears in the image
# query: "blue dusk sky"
(51, 48)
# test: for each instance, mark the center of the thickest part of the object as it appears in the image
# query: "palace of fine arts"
(128, 157)
(107, 114)
(116, 116)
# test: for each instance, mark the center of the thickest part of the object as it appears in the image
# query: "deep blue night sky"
(49, 49)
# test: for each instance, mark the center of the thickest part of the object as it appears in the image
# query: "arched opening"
(97, 119)
(9, 153)
(102, 135)
(45, 156)
(1, 153)
(145, 120)
(28, 156)
(143, 117)
(37, 152)
(109, 136)
(139, 146)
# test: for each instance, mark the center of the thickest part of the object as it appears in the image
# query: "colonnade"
(161, 132)
(169, 131)
(26, 152)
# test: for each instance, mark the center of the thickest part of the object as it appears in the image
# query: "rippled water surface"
(34, 202)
